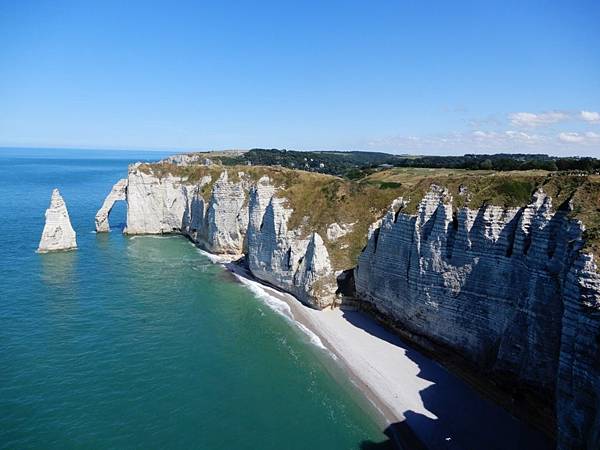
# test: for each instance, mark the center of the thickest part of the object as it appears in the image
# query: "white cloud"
(571, 138)
(479, 139)
(527, 119)
(588, 137)
(590, 116)
(521, 136)
(484, 134)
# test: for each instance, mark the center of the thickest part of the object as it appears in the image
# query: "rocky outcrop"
(220, 225)
(170, 204)
(118, 192)
(238, 217)
(510, 289)
(284, 258)
(155, 205)
(336, 231)
(58, 233)
(578, 381)
(507, 288)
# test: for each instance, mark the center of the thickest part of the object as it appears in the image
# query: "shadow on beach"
(465, 420)
(399, 437)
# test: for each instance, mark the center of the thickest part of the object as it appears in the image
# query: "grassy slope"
(319, 200)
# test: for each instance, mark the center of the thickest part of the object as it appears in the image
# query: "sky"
(419, 77)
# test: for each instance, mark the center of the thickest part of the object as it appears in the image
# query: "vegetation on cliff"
(319, 200)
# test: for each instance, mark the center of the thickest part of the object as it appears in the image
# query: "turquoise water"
(142, 342)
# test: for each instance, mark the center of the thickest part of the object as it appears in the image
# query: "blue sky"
(405, 77)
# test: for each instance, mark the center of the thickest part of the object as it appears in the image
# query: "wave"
(152, 236)
(217, 259)
(282, 308)
(257, 288)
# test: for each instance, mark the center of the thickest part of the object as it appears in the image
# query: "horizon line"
(175, 151)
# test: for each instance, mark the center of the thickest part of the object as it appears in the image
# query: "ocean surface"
(142, 342)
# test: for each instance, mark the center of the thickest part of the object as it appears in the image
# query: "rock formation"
(285, 258)
(226, 217)
(118, 192)
(236, 218)
(58, 233)
(336, 231)
(155, 205)
(508, 289)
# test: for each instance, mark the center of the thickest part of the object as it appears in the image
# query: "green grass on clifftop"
(318, 200)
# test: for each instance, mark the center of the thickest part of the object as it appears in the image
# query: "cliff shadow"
(458, 417)
(399, 437)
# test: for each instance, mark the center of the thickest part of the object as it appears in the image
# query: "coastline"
(420, 403)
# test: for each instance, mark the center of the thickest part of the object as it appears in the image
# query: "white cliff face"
(169, 204)
(507, 288)
(155, 205)
(58, 233)
(229, 223)
(118, 192)
(226, 217)
(281, 257)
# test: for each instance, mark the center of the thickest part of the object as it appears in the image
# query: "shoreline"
(421, 404)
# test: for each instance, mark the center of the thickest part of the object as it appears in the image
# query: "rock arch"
(118, 192)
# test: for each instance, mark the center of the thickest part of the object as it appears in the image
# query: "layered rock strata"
(58, 234)
(509, 289)
(155, 205)
(220, 224)
(238, 217)
(284, 258)
(118, 192)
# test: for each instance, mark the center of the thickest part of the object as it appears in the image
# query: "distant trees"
(585, 164)
(355, 165)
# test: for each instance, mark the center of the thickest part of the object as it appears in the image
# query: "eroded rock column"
(58, 233)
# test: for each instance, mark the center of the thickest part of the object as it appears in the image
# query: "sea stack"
(58, 233)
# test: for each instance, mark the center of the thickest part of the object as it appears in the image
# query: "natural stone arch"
(118, 192)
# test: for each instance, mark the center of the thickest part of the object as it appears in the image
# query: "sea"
(144, 342)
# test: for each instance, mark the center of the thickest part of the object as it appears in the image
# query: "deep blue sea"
(142, 342)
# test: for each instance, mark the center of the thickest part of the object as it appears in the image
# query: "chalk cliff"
(58, 234)
(118, 192)
(508, 289)
(511, 289)
(155, 204)
(220, 227)
(236, 216)
(283, 257)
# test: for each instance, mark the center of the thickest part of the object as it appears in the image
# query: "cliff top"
(320, 200)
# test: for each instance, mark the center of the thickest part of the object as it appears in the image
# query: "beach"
(422, 404)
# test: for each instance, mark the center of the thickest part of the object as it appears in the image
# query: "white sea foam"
(152, 236)
(280, 307)
(217, 259)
